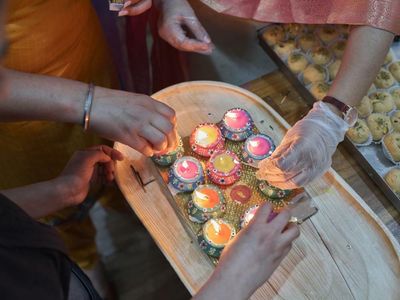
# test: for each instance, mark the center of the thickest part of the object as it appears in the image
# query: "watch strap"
(337, 103)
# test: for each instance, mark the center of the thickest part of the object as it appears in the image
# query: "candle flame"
(232, 115)
(185, 164)
(216, 226)
(201, 196)
(254, 143)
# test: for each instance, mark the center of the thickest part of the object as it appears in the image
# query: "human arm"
(305, 152)
(86, 167)
(139, 121)
(258, 249)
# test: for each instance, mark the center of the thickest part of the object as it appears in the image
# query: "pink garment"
(383, 14)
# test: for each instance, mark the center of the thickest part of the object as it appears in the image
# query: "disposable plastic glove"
(175, 16)
(305, 152)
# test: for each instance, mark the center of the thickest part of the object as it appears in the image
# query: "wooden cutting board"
(344, 251)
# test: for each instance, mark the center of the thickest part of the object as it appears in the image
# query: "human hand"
(135, 7)
(86, 167)
(175, 16)
(139, 121)
(251, 258)
(305, 152)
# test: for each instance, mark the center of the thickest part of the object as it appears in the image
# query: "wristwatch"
(350, 114)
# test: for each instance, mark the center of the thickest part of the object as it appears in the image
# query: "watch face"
(351, 116)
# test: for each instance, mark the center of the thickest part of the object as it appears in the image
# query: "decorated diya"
(224, 168)
(206, 139)
(186, 174)
(207, 202)
(257, 147)
(273, 192)
(169, 158)
(215, 235)
(237, 125)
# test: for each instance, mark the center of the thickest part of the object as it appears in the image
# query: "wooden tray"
(344, 252)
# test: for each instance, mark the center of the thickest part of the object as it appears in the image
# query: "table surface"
(277, 91)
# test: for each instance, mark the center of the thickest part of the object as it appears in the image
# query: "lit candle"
(237, 124)
(169, 158)
(215, 235)
(206, 139)
(207, 202)
(186, 174)
(224, 168)
(273, 192)
(257, 147)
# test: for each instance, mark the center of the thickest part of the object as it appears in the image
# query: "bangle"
(88, 107)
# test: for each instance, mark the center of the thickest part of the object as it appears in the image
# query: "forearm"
(39, 199)
(38, 97)
(365, 52)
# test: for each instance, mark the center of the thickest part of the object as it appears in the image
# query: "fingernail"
(122, 13)
(127, 3)
(207, 39)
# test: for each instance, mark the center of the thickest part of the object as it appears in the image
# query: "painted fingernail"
(122, 13)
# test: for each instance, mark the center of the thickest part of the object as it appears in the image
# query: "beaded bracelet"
(88, 107)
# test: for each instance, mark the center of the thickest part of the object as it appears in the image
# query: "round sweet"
(334, 69)
(364, 107)
(237, 125)
(338, 48)
(394, 68)
(273, 192)
(314, 73)
(307, 41)
(392, 178)
(297, 62)
(206, 139)
(396, 96)
(392, 145)
(328, 33)
(360, 133)
(207, 202)
(379, 125)
(320, 55)
(372, 88)
(384, 79)
(319, 89)
(293, 29)
(284, 48)
(240, 193)
(274, 34)
(388, 58)
(395, 119)
(382, 102)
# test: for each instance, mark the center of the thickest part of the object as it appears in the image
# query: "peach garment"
(383, 14)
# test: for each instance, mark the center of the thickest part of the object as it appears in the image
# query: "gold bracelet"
(88, 107)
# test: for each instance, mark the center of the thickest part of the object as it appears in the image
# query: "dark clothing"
(33, 260)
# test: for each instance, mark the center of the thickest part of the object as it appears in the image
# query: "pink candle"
(236, 118)
(187, 169)
(259, 146)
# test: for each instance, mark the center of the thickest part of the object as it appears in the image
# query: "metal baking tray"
(370, 158)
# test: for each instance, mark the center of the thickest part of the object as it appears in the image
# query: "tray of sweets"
(309, 56)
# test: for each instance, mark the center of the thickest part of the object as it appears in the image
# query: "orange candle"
(206, 197)
(218, 232)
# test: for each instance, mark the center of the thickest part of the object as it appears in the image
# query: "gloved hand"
(177, 14)
(305, 152)
(135, 7)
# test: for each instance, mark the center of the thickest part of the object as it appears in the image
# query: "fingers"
(262, 214)
(165, 110)
(135, 7)
(280, 221)
(111, 152)
(140, 144)
(168, 130)
(155, 137)
(291, 233)
(205, 46)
